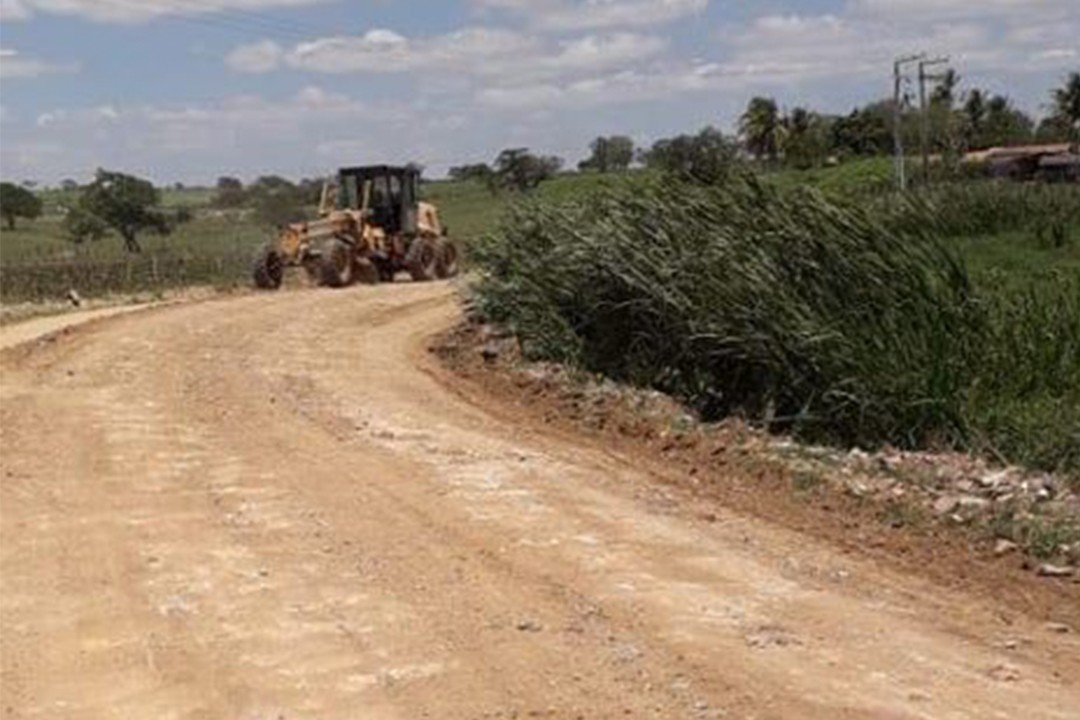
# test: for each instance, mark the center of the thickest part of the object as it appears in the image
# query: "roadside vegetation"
(828, 320)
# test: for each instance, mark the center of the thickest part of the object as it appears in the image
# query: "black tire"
(269, 270)
(446, 258)
(385, 269)
(422, 259)
(366, 272)
(336, 264)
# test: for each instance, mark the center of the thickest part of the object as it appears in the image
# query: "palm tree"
(761, 128)
(1005, 124)
(802, 138)
(945, 92)
(974, 118)
(1067, 104)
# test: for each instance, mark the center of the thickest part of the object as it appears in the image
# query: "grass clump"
(794, 311)
(986, 208)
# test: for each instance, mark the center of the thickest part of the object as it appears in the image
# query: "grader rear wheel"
(269, 270)
(336, 264)
(422, 259)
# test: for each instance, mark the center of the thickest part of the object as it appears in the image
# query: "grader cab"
(371, 226)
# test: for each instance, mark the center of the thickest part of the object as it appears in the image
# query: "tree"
(271, 183)
(944, 94)
(18, 202)
(476, 171)
(805, 143)
(1067, 105)
(277, 201)
(761, 128)
(68, 185)
(230, 193)
(945, 125)
(866, 131)
(81, 226)
(1004, 124)
(1053, 128)
(310, 190)
(521, 170)
(974, 120)
(609, 154)
(279, 208)
(705, 158)
(126, 204)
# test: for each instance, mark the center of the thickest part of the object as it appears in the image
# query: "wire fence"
(53, 279)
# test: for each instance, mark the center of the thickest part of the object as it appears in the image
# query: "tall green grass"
(794, 311)
(986, 207)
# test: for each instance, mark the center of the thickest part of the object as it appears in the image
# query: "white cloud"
(229, 136)
(628, 86)
(13, 64)
(135, 11)
(384, 51)
(13, 10)
(795, 48)
(485, 55)
(597, 14)
(934, 10)
(260, 57)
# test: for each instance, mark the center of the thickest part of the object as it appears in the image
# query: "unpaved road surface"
(277, 507)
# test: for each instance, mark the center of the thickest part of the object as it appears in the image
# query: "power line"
(244, 23)
(291, 26)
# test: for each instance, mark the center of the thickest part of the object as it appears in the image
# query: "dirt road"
(273, 507)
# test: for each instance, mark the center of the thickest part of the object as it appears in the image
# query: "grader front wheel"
(446, 258)
(269, 270)
(336, 264)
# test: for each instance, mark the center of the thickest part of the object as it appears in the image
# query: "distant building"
(1057, 162)
(1059, 168)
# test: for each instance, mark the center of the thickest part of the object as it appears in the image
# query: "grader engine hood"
(299, 239)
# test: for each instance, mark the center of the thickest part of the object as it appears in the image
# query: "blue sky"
(187, 90)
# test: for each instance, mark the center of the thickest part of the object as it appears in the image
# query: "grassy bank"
(796, 312)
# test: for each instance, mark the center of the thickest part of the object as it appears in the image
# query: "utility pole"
(898, 115)
(924, 113)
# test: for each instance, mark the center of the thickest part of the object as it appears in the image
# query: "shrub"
(984, 208)
(794, 311)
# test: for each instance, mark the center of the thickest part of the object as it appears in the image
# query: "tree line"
(274, 200)
(957, 121)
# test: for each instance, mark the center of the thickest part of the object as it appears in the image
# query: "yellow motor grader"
(371, 226)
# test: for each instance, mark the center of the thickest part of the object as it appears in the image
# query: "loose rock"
(1048, 570)
(1004, 547)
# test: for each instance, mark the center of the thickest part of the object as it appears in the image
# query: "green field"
(38, 263)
